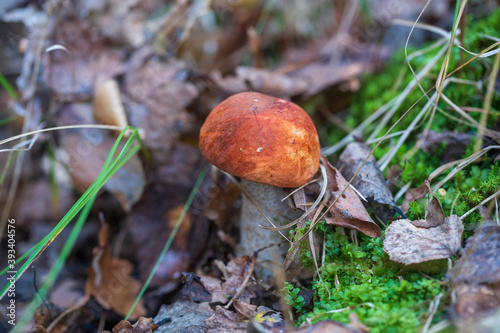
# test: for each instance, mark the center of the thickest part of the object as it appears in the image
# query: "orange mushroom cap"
(263, 139)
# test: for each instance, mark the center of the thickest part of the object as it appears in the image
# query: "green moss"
(361, 279)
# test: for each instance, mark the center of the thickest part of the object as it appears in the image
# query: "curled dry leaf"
(412, 195)
(226, 321)
(107, 105)
(235, 273)
(143, 325)
(407, 244)
(348, 212)
(370, 181)
(434, 215)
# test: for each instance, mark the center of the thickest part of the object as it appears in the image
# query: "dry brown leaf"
(370, 181)
(143, 325)
(412, 195)
(194, 290)
(235, 273)
(225, 321)
(220, 208)
(408, 244)
(158, 92)
(109, 281)
(434, 215)
(348, 212)
(89, 59)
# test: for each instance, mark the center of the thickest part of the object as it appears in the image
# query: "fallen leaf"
(412, 195)
(121, 21)
(370, 181)
(110, 283)
(157, 103)
(235, 273)
(476, 281)
(245, 309)
(226, 321)
(480, 261)
(89, 58)
(142, 325)
(194, 290)
(456, 143)
(183, 316)
(348, 212)
(434, 215)
(408, 244)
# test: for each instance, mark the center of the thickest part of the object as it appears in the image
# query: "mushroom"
(270, 144)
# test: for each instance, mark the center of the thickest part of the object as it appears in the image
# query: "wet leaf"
(348, 212)
(407, 244)
(183, 316)
(110, 283)
(370, 181)
(143, 325)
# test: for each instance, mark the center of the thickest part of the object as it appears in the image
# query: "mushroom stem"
(252, 237)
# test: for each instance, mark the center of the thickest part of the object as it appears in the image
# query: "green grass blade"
(8, 88)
